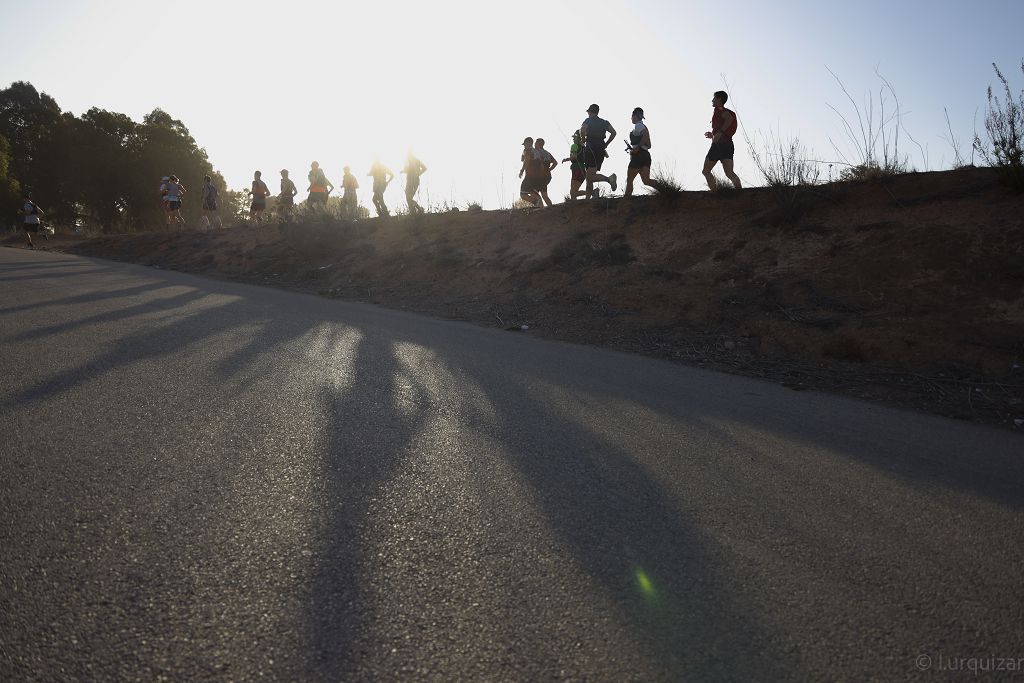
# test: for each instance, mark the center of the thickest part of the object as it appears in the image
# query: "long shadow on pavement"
(149, 306)
(659, 569)
(89, 297)
(356, 469)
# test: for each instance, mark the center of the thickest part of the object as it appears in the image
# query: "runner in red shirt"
(723, 127)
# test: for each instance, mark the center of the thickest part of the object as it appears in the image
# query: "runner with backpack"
(593, 129)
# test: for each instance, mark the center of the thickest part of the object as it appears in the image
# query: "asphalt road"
(202, 480)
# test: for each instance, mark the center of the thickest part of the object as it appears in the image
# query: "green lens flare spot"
(644, 583)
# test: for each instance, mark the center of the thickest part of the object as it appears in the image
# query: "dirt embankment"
(911, 291)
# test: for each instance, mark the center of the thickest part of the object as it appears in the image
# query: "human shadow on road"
(665, 574)
(662, 572)
(189, 330)
(37, 265)
(991, 469)
(366, 439)
(118, 314)
(54, 276)
(88, 297)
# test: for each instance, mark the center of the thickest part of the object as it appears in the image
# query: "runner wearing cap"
(530, 173)
(723, 127)
(639, 152)
(593, 130)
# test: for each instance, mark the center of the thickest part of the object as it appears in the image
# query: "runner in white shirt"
(172, 200)
(32, 222)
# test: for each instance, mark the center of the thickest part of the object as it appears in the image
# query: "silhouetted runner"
(723, 127)
(210, 204)
(319, 186)
(639, 152)
(530, 174)
(414, 168)
(593, 129)
(547, 164)
(259, 193)
(286, 200)
(349, 200)
(579, 173)
(382, 177)
(33, 220)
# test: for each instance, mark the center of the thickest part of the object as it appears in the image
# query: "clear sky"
(271, 85)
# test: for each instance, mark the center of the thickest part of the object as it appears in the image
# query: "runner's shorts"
(593, 157)
(531, 184)
(286, 200)
(173, 206)
(641, 159)
(209, 204)
(578, 174)
(722, 150)
(258, 206)
(31, 227)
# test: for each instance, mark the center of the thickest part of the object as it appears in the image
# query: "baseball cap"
(593, 108)
(528, 141)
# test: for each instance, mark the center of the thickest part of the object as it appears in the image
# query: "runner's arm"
(613, 134)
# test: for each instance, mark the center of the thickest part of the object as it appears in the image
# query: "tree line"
(100, 170)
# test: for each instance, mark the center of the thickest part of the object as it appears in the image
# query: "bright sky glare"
(271, 85)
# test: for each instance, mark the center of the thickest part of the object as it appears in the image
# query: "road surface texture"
(203, 480)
